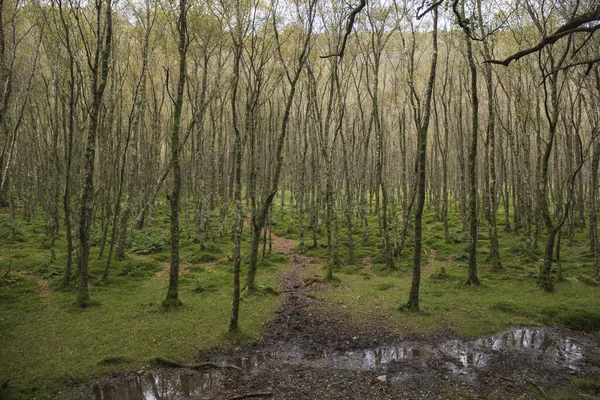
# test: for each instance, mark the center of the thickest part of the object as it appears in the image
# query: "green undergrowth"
(504, 298)
(48, 344)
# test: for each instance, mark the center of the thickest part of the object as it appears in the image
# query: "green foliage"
(147, 241)
(126, 324)
(462, 255)
(268, 290)
(459, 236)
(137, 269)
(50, 271)
(129, 303)
(588, 280)
(201, 258)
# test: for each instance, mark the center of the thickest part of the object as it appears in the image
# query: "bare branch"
(431, 7)
(349, 26)
(569, 28)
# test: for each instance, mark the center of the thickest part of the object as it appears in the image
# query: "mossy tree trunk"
(172, 299)
(99, 68)
(413, 299)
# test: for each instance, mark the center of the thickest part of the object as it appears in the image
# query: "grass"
(505, 298)
(49, 344)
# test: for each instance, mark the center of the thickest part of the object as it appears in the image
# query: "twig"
(249, 395)
(507, 379)
(538, 388)
(174, 364)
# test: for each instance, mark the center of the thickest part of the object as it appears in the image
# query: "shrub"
(147, 241)
(138, 269)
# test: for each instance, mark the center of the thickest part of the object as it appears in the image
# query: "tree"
(423, 123)
(292, 75)
(172, 299)
(97, 55)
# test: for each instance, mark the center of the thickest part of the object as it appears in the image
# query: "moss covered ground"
(48, 344)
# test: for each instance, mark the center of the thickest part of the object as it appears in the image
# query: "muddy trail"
(311, 351)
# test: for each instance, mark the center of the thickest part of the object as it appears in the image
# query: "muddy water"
(157, 386)
(462, 358)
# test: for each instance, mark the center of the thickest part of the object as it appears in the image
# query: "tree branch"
(569, 28)
(349, 26)
(589, 63)
(431, 7)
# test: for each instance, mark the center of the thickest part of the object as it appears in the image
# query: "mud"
(310, 351)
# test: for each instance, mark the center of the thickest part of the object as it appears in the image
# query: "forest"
(175, 175)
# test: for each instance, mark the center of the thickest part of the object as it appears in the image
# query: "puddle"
(536, 343)
(158, 386)
(464, 358)
(373, 358)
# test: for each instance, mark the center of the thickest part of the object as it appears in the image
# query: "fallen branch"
(249, 395)
(174, 364)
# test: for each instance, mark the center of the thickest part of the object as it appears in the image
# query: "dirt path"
(311, 351)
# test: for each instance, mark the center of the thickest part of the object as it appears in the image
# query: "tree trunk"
(86, 200)
(413, 299)
(172, 299)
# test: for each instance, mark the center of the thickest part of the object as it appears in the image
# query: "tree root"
(165, 362)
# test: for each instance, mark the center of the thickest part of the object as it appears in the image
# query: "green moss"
(588, 280)
(201, 258)
(204, 288)
(114, 360)
(137, 268)
(384, 286)
(576, 318)
(505, 306)
(128, 326)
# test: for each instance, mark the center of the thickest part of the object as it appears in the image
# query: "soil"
(310, 350)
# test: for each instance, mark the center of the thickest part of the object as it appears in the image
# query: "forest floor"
(314, 349)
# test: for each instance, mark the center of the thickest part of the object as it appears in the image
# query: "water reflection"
(373, 358)
(463, 357)
(537, 343)
(156, 386)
